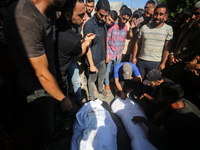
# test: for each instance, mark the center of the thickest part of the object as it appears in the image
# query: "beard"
(157, 23)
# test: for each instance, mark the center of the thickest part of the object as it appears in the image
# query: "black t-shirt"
(103, 42)
(29, 34)
(68, 45)
(184, 122)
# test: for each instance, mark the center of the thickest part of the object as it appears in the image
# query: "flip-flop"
(104, 93)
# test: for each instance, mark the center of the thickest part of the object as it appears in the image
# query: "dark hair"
(70, 5)
(162, 6)
(113, 15)
(89, 1)
(103, 4)
(151, 2)
(127, 11)
(172, 90)
(123, 7)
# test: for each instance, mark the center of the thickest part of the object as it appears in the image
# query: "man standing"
(115, 43)
(89, 8)
(155, 37)
(30, 32)
(69, 44)
(96, 55)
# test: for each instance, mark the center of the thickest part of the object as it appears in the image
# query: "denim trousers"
(100, 74)
(73, 73)
(109, 69)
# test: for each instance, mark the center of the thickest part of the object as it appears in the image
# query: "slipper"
(104, 93)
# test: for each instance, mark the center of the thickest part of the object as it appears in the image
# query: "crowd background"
(181, 64)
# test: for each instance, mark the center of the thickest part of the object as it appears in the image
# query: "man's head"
(111, 18)
(149, 3)
(124, 17)
(89, 6)
(102, 9)
(195, 19)
(74, 12)
(160, 13)
(148, 15)
(122, 8)
(127, 71)
(58, 4)
(136, 14)
(170, 93)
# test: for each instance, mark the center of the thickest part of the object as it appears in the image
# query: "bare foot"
(107, 88)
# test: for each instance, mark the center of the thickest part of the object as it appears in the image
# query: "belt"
(37, 94)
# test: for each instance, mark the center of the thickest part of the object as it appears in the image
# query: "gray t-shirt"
(29, 34)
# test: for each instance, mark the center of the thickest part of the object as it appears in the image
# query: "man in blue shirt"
(126, 73)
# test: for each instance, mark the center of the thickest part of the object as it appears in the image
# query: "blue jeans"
(109, 69)
(144, 66)
(73, 73)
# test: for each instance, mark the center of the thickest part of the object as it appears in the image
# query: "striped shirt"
(116, 41)
(153, 41)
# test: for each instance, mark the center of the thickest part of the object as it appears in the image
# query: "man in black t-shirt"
(70, 44)
(29, 28)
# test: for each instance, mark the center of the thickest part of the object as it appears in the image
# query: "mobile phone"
(139, 20)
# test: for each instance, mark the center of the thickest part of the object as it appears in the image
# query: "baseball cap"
(127, 71)
(152, 75)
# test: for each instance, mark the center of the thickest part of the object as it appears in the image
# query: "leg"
(91, 79)
(42, 111)
(107, 80)
(101, 76)
(73, 72)
(141, 68)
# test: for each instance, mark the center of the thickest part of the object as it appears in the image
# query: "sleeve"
(31, 34)
(109, 42)
(116, 71)
(135, 70)
(169, 34)
(87, 28)
(77, 50)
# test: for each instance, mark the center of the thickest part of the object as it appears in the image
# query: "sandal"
(104, 93)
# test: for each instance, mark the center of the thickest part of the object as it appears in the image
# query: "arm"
(130, 31)
(119, 87)
(87, 41)
(135, 50)
(40, 65)
(90, 60)
(165, 55)
(109, 40)
(159, 131)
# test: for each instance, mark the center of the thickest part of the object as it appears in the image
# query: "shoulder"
(167, 27)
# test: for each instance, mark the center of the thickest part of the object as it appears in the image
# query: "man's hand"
(65, 104)
(172, 60)
(107, 60)
(123, 95)
(88, 38)
(161, 67)
(134, 60)
(93, 69)
(132, 24)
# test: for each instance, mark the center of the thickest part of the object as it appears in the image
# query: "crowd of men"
(48, 52)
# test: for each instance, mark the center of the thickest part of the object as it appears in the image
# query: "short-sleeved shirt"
(29, 34)
(153, 41)
(118, 71)
(68, 45)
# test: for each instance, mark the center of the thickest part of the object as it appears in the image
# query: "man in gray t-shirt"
(29, 28)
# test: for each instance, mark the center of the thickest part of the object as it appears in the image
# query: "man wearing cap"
(124, 73)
